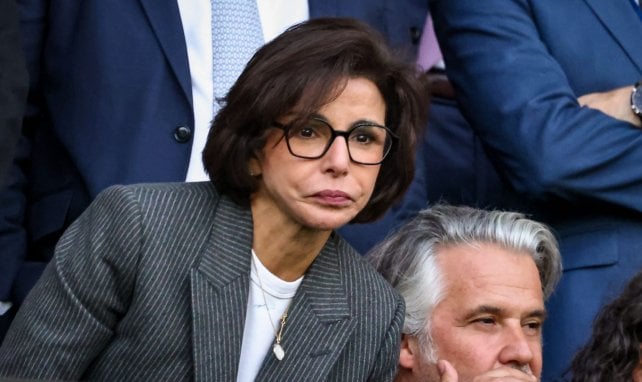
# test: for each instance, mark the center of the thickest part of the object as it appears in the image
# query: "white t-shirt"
(258, 334)
(196, 16)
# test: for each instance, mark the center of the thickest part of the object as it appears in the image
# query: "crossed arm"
(614, 103)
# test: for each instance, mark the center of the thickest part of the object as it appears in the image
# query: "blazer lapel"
(165, 20)
(625, 26)
(220, 287)
(319, 322)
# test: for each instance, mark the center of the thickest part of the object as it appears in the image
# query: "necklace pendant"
(278, 351)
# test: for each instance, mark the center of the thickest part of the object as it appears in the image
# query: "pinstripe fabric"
(151, 283)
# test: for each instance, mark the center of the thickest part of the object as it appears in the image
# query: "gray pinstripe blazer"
(152, 281)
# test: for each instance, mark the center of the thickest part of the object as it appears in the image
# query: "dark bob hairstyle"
(297, 73)
(613, 351)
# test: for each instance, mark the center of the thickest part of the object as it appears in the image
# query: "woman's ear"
(254, 166)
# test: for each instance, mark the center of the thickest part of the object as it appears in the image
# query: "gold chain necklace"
(277, 349)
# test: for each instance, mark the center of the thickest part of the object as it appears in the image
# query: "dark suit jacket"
(518, 67)
(152, 282)
(112, 85)
(14, 83)
(452, 166)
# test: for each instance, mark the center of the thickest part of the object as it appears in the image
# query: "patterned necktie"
(429, 53)
(236, 35)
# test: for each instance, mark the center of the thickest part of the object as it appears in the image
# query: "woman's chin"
(329, 221)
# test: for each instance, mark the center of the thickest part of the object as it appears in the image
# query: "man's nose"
(517, 351)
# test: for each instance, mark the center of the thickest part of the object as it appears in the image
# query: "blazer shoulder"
(165, 196)
(170, 189)
(161, 209)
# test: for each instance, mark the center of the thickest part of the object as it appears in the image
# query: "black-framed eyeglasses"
(368, 143)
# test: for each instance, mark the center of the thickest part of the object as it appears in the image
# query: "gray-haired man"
(474, 283)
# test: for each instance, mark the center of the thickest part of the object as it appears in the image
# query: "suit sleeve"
(519, 99)
(388, 356)
(13, 236)
(13, 83)
(70, 315)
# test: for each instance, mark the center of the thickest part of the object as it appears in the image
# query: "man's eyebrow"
(537, 313)
(497, 311)
(482, 309)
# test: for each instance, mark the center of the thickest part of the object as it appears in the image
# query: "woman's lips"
(333, 198)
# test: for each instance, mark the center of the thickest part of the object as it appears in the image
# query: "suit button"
(415, 35)
(182, 134)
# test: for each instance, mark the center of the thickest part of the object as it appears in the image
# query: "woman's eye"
(303, 132)
(362, 138)
(306, 132)
(368, 135)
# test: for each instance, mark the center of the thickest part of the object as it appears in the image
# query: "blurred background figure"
(452, 165)
(14, 83)
(547, 87)
(124, 92)
(613, 353)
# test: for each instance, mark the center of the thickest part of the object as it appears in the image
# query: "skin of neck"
(284, 246)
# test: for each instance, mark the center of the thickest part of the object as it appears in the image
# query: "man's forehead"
(483, 260)
(488, 276)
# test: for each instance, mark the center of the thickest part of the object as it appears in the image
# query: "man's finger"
(447, 372)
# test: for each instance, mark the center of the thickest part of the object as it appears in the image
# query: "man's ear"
(409, 352)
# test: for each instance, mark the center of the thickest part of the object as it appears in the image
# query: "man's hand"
(447, 373)
(615, 103)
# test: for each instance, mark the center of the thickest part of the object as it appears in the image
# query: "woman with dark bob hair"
(243, 278)
(613, 352)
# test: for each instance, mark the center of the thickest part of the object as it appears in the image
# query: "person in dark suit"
(14, 84)
(547, 86)
(112, 102)
(451, 153)
(243, 278)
